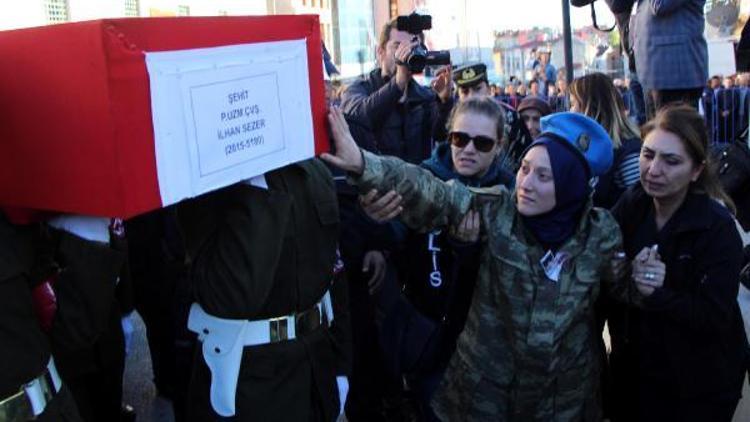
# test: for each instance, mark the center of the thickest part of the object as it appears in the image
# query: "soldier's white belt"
(224, 339)
(32, 398)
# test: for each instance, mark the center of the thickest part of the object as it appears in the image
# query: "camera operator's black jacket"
(402, 129)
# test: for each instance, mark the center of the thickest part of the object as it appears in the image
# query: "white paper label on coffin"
(226, 114)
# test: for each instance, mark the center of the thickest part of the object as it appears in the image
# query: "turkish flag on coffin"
(109, 117)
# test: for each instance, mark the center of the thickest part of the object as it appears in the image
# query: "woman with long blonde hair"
(595, 96)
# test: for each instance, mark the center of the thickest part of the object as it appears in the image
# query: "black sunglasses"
(481, 143)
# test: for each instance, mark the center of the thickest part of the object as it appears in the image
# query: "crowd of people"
(456, 256)
(726, 106)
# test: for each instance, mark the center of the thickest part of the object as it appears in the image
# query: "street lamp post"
(568, 41)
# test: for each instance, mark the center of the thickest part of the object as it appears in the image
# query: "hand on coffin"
(348, 157)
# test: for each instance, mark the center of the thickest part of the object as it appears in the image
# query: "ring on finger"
(649, 276)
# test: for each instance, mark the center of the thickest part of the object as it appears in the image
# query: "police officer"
(269, 315)
(471, 80)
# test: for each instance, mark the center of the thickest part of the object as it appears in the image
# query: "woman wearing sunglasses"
(529, 347)
(436, 272)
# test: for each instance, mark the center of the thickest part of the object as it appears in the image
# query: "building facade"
(347, 26)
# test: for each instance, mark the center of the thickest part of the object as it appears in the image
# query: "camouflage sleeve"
(428, 202)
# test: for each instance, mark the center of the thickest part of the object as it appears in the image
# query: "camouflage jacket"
(530, 349)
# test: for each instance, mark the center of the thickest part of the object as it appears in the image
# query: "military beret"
(470, 74)
(586, 135)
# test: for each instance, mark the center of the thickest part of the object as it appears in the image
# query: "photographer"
(401, 114)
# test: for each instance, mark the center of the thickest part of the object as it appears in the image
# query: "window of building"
(131, 8)
(183, 10)
(223, 13)
(314, 3)
(393, 8)
(56, 11)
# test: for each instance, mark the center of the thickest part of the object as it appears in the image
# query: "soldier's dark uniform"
(258, 254)
(90, 348)
(26, 259)
(161, 296)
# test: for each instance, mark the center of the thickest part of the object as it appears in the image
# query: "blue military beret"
(586, 135)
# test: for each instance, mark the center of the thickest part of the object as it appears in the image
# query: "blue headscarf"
(572, 190)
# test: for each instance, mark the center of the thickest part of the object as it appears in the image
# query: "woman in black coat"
(681, 355)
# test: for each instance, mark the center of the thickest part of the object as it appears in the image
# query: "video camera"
(420, 56)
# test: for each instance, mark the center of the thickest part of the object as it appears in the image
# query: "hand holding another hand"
(381, 208)
(648, 270)
(467, 230)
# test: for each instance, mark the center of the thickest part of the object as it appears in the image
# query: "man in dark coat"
(262, 256)
(670, 50)
(91, 352)
(401, 114)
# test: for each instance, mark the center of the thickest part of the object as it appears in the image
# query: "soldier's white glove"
(343, 384)
(127, 331)
(95, 229)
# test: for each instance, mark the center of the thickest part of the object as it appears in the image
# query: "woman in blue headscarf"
(529, 349)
